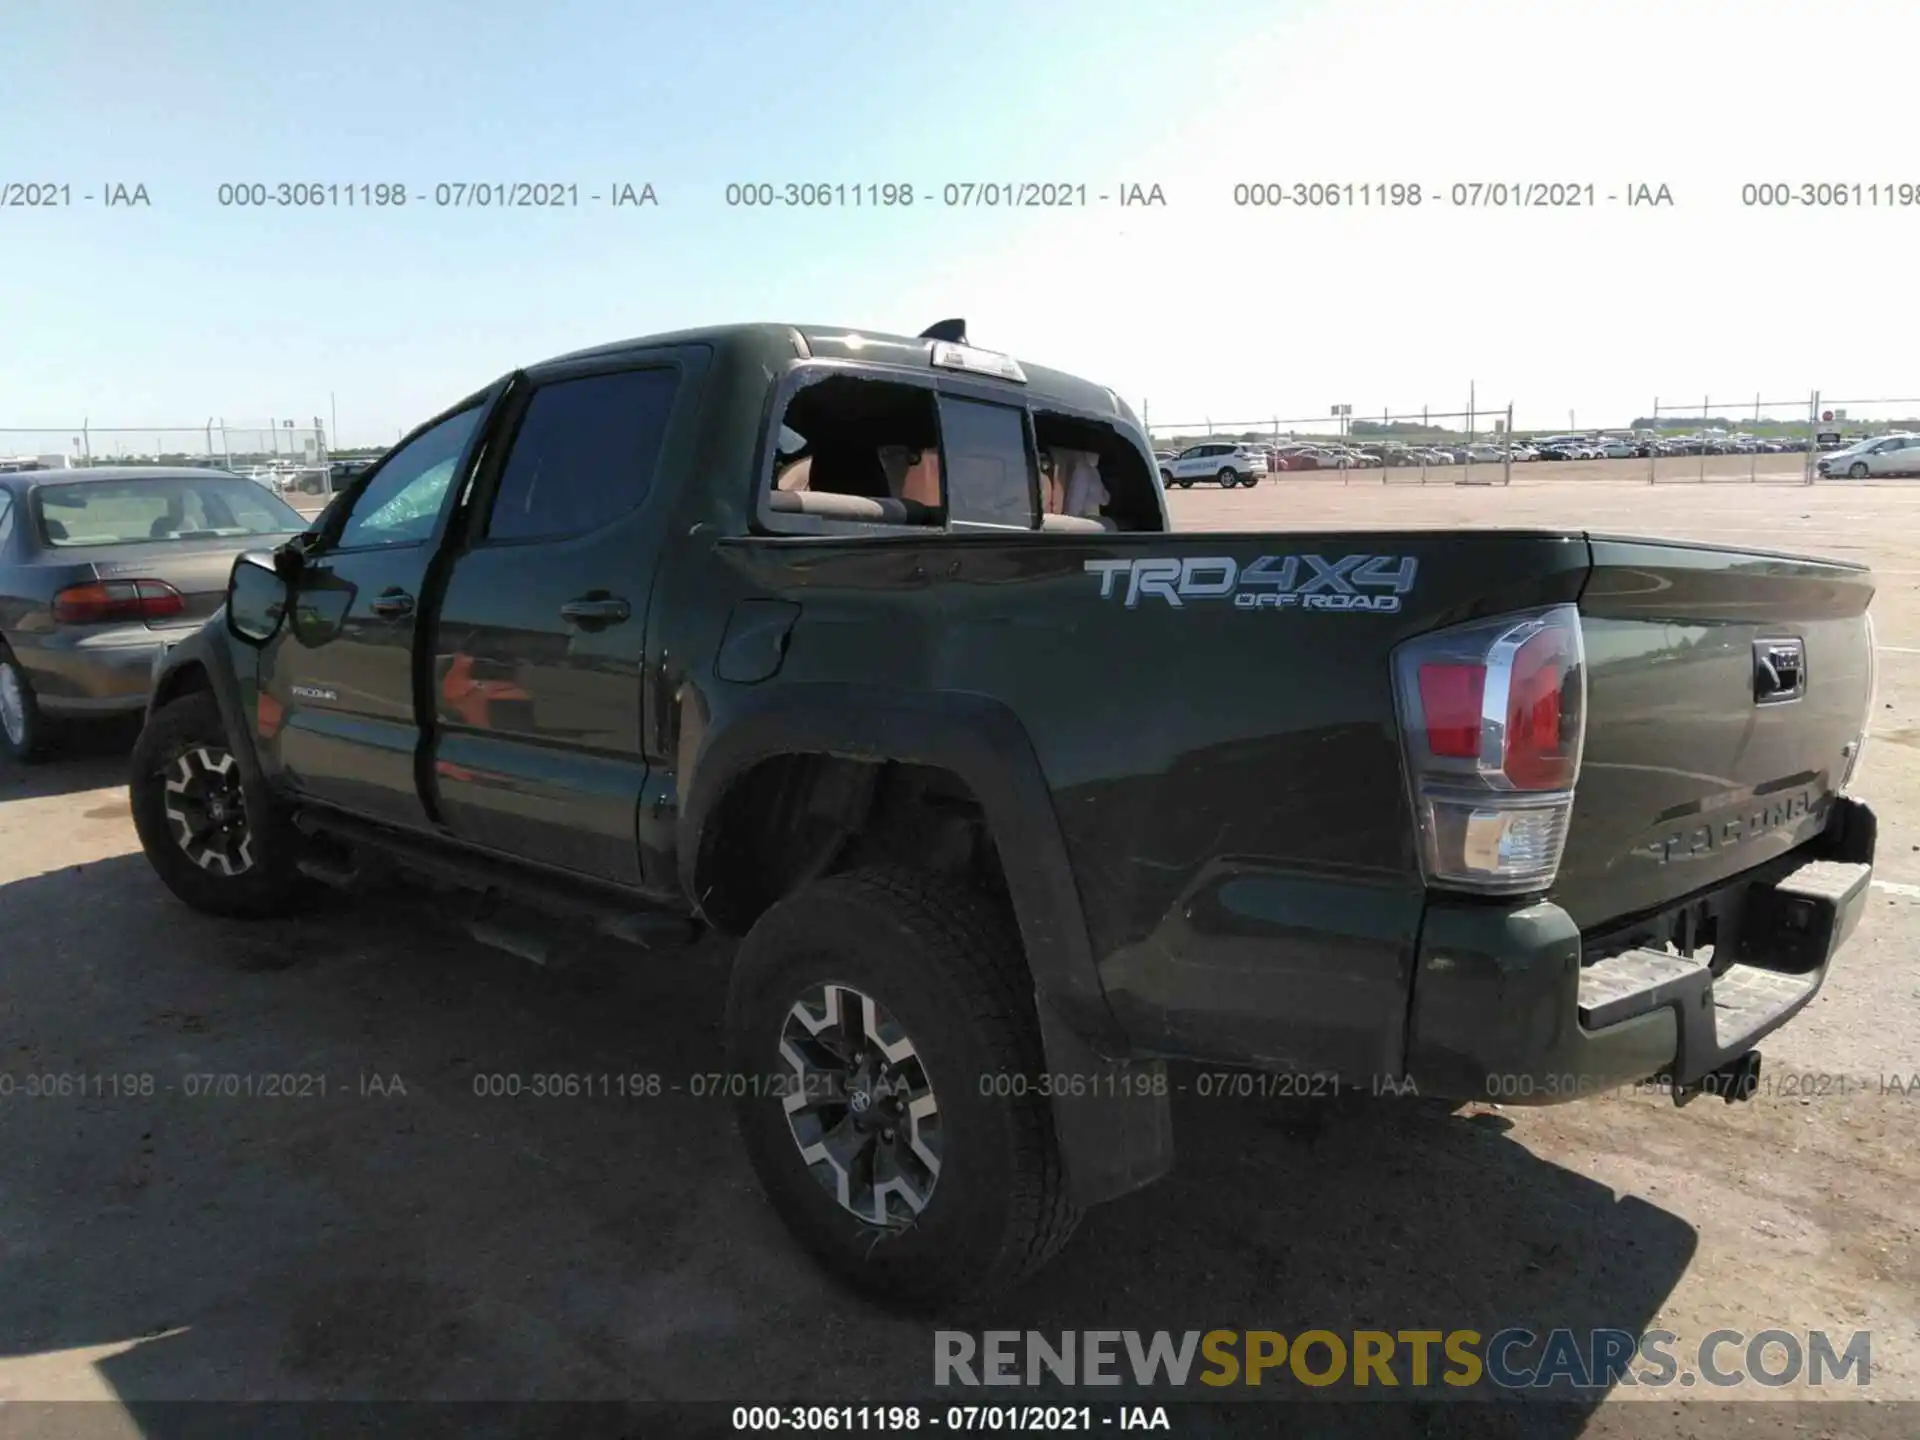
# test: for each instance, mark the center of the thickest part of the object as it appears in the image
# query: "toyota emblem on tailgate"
(1779, 671)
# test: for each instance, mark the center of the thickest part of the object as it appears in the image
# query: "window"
(1120, 469)
(859, 451)
(584, 454)
(403, 502)
(989, 478)
(161, 507)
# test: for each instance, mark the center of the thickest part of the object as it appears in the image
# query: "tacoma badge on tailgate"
(1719, 835)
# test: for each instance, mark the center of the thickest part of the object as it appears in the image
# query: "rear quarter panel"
(1227, 780)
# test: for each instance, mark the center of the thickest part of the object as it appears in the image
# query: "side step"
(512, 903)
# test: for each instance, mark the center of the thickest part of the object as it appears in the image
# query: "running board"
(605, 909)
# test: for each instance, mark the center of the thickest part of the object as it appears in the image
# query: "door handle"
(393, 603)
(595, 610)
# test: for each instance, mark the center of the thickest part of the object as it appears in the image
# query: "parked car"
(100, 570)
(1486, 454)
(503, 662)
(1882, 455)
(1617, 449)
(1225, 461)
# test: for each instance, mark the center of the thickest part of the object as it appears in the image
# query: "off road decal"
(1273, 582)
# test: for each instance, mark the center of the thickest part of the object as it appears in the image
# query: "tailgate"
(1704, 757)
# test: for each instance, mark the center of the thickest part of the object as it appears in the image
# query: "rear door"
(338, 715)
(539, 640)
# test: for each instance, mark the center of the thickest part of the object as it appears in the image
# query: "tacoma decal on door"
(1273, 582)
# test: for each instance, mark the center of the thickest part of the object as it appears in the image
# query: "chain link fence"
(1755, 441)
(1463, 447)
(294, 459)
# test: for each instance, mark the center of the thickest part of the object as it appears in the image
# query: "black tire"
(1857, 470)
(23, 729)
(945, 964)
(245, 863)
(1228, 478)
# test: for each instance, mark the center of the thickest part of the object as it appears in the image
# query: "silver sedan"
(100, 570)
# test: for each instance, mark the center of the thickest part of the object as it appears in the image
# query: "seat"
(55, 530)
(848, 470)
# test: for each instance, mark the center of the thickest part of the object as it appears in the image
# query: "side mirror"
(256, 599)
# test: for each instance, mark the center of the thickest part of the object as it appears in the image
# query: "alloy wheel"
(861, 1108)
(207, 810)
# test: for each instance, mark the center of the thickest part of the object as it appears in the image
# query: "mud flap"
(1113, 1118)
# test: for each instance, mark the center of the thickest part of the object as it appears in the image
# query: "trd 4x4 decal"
(1273, 582)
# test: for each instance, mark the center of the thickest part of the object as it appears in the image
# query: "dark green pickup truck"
(879, 652)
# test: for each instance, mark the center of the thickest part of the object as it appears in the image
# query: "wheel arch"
(203, 663)
(840, 741)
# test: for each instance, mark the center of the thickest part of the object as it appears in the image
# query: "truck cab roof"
(772, 344)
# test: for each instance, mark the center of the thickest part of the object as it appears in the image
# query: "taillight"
(103, 601)
(1493, 717)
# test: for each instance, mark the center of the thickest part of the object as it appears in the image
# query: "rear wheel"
(23, 730)
(216, 842)
(882, 1029)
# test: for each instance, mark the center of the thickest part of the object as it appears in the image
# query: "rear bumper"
(102, 672)
(1507, 1008)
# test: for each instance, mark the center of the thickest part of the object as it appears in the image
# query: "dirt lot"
(401, 1237)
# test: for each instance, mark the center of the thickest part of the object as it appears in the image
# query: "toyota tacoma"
(879, 653)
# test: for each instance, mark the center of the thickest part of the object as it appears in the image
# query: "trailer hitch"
(1736, 1080)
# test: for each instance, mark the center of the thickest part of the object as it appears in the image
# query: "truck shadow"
(83, 755)
(383, 1222)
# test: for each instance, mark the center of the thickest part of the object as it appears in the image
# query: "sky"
(1198, 309)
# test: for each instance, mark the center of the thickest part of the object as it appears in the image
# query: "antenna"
(951, 330)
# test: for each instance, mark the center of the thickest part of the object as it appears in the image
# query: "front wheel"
(881, 1031)
(1228, 479)
(216, 842)
(1857, 470)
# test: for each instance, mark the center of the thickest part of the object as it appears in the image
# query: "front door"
(337, 718)
(540, 638)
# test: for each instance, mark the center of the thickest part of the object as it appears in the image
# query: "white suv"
(1222, 460)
